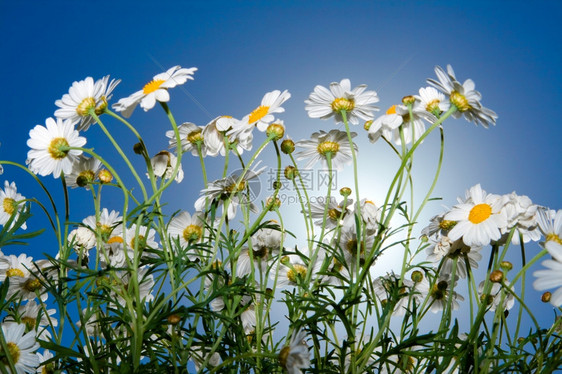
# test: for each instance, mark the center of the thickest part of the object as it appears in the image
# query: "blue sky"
(244, 49)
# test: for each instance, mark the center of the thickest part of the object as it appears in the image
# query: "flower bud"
(408, 100)
(496, 276)
(545, 298)
(277, 185)
(506, 265)
(275, 131)
(174, 319)
(291, 172)
(417, 276)
(105, 176)
(272, 203)
(138, 148)
(424, 238)
(345, 191)
(367, 125)
(287, 146)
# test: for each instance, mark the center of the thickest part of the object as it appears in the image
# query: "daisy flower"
(479, 219)
(336, 211)
(21, 347)
(82, 97)
(438, 226)
(266, 243)
(444, 251)
(384, 125)
(239, 193)
(155, 90)
(292, 270)
(551, 277)
(439, 293)
(357, 103)
(36, 317)
(163, 165)
(9, 199)
(48, 368)
(262, 116)
(322, 144)
(49, 152)
(387, 286)
(398, 117)
(464, 97)
(295, 356)
(214, 136)
(109, 223)
(145, 285)
(188, 229)
(431, 101)
(550, 224)
(521, 213)
(15, 266)
(191, 138)
(494, 298)
(85, 171)
(351, 245)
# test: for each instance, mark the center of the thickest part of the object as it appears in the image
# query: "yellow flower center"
(55, 148)
(297, 270)
(328, 147)
(433, 106)
(479, 213)
(86, 177)
(283, 356)
(139, 242)
(29, 322)
(105, 230)
(115, 239)
(195, 137)
(460, 101)
(391, 110)
(438, 290)
(236, 187)
(341, 103)
(101, 108)
(15, 273)
(32, 285)
(553, 237)
(261, 252)
(334, 214)
(84, 107)
(447, 225)
(258, 114)
(152, 86)
(13, 351)
(192, 233)
(352, 247)
(9, 205)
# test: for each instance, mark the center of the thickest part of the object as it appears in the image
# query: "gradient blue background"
(244, 49)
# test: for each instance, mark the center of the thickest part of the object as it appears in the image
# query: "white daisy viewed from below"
(85, 170)
(551, 277)
(84, 96)
(322, 144)
(464, 97)
(191, 139)
(155, 90)
(357, 103)
(50, 153)
(164, 164)
(9, 202)
(480, 218)
(21, 347)
(295, 356)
